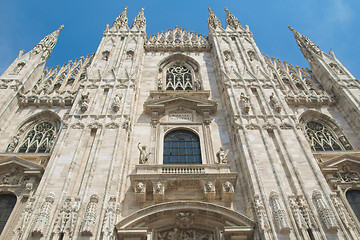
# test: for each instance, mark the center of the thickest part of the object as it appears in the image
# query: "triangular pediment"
(192, 102)
(339, 161)
(17, 161)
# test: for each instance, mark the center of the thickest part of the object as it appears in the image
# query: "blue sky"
(331, 24)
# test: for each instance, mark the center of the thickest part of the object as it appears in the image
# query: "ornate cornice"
(177, 39)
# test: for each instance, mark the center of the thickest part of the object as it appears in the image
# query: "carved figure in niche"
(139, 187)
(105, 55)
(335, 68)
(227, 56)
(222, 155)
(144, 155)
(84, 102)
(13, 143)
(251, 55)
(129, 55)
(197, 84)
(116, 102)
(275, 103)
(244, 103)
(209, 186)
(345, 142)
(18, 68)
(160, 84)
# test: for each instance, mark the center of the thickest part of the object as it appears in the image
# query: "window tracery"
(179, 77)
(321, 137)
(39, 138)
(182, 147)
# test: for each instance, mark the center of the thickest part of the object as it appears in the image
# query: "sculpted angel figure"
(222, 155)
(144, 155)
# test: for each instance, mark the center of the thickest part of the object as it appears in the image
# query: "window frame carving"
(184, 61)
(184, 130)
(18, 140)
(330, 127)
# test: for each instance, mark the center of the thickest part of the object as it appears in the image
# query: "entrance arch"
(185, 220)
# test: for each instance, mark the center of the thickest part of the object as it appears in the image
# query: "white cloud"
(341, 11)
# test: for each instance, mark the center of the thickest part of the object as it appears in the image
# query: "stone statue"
(139, 187)
(160, 84)
(144, 155)
(222, 155)
(208, 186)
(228, 187)
(116, 102)
(158, 187)
(12, 145)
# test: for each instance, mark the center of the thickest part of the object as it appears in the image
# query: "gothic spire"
(47, 44)
(140, 20)
(304, 42)
(231, 20)
(213, 21)
(121, 21)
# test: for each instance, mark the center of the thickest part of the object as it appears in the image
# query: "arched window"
(39, 138)
(353, 197)
(7, 203)
(182, 147)
(178, 78)
(321, 137)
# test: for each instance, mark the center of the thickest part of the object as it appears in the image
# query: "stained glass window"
(182, 147)
(7, 203)
(321, 138)
(353, 197)
(39, 138)
(178, 78)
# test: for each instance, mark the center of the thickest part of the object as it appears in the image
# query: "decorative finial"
(231, 20)
(126, 7)
(61, 27)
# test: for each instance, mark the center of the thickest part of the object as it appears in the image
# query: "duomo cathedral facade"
(179, 136)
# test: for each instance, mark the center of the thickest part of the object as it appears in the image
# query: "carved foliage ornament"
(279, 213)
(346, 175)
(44, 214)
(324, 211)
(90, 216)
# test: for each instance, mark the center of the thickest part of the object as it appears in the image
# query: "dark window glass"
(182, 147)
(7, 203)
(353, 196)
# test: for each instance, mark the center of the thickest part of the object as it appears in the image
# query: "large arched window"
(182, 147)
(39, 138)
(178, 78)
(7, 203)
(353, 197)
(321, 137)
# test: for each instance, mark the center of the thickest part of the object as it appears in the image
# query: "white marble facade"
(83, 145)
